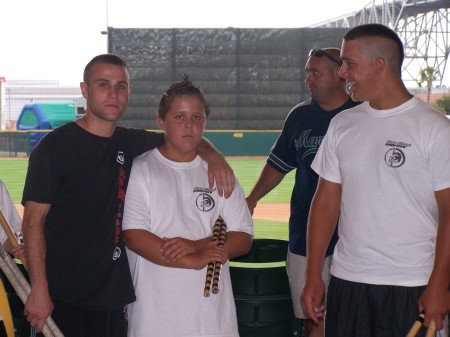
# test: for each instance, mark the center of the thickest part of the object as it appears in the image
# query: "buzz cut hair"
(377, 30)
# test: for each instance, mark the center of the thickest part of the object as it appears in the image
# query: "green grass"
(12, 173)
(266, 229)
(247, 170)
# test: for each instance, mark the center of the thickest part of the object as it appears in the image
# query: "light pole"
(105, 32)
(8, 91)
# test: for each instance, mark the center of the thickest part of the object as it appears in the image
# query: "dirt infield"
(273, 212)
(264, 211)
(19, 208)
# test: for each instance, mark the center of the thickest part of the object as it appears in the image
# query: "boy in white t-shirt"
(169, 214)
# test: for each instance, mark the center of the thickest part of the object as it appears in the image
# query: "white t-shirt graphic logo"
(394, 157)
(204, 202)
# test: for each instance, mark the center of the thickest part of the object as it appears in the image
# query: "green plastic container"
(261, 290)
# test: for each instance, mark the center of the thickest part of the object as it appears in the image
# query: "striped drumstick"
(218, 265)
(209, 275)
(210, 269)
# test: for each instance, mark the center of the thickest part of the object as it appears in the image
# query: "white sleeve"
(9, 211)
(235, 212)
(439, 159)
(136, 210)
(326, 161)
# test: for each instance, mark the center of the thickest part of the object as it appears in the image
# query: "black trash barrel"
(261, 292)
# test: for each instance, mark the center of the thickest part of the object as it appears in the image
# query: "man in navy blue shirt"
(295, 148)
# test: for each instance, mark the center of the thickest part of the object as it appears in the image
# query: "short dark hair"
(104, 59)
(185, 87)
(376, 30)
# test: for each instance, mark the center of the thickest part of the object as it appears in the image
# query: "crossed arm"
(182, 253)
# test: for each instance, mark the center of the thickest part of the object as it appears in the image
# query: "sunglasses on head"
(317, 52)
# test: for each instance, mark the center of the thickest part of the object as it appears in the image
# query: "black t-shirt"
(84, 177)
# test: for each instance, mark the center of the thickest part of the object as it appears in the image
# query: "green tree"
(443, 104)
(427, 76)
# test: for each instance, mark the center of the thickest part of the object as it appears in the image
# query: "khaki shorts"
(445, 331)
(296, 270)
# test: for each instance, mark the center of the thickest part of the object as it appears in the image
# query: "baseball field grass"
(246, 169)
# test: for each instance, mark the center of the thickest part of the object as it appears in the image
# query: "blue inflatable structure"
(44, 116)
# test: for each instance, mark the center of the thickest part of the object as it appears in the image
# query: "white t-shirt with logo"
(173, 199)
(390, 163)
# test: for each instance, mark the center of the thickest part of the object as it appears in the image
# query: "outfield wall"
(16, 143)
(243, 142)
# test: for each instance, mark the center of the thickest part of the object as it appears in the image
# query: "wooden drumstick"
(210, 269)
(218, 265)
(431, 329)
(10, 234)
(23, 289)
(417, 324)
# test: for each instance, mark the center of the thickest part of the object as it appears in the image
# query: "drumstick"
(218, 265)
(417, 324)
(210, 269)
(23, 289)
(431, 329)
(10, 234)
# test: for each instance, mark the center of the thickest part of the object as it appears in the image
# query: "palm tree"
(428, 75)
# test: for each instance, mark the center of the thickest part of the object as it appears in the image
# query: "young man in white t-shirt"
(384, 172)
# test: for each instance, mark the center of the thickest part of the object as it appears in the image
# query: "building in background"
(14, 94)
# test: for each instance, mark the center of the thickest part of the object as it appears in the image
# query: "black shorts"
(358, 309)
(77, 322)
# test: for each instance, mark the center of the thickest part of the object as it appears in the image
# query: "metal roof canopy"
(423, 26)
